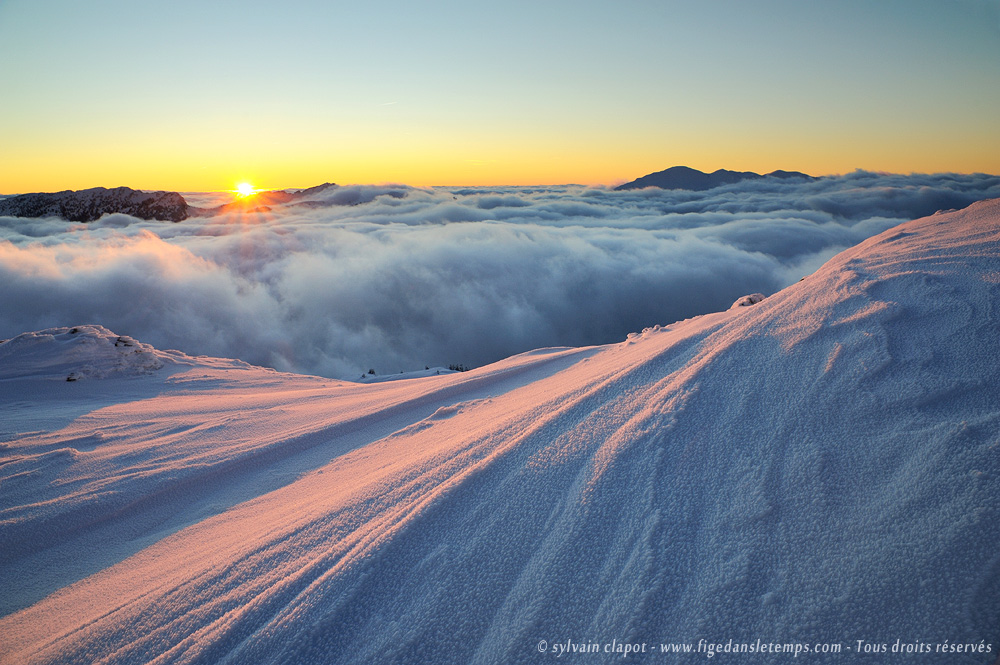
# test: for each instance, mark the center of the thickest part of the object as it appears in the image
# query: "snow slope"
(76, 353)
(820, 467)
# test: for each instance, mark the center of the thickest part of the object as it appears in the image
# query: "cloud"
(395, 277)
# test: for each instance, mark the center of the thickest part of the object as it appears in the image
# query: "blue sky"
(198, 95)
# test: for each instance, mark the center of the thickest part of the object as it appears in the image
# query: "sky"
(196, 96)
(398, 278)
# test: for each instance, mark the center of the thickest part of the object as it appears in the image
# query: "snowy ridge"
(88, 351)
(76, 353)
(821, 467)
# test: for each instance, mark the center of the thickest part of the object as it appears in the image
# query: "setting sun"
(245, 189)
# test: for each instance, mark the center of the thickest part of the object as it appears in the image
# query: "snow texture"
(821, 467)
(76, 353)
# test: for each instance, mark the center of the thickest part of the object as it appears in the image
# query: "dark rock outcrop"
(87, 205)
(683, 177)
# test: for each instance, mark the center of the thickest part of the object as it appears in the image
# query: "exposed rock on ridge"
(88, 205)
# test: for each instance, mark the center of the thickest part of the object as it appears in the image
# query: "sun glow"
(245, 189)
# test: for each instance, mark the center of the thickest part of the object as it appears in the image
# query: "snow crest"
(80, 352)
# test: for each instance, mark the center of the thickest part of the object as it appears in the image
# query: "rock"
(88, 205)
(748, 300)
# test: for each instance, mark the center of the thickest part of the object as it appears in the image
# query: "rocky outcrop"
(88, 205)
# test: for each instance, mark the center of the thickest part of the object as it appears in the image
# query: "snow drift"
(76, 353)
(822, 468)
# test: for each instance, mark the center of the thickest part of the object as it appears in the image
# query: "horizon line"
(394, 183)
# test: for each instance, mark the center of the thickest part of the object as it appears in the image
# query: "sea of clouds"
(395, 278)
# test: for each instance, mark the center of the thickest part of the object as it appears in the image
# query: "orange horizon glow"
(201, 162)
(32, 172)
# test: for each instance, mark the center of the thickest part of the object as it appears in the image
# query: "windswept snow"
(822, 467)
(76, 353)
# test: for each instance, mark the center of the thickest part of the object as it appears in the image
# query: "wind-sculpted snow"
(820, 468)
(340, 280)
(76, 353)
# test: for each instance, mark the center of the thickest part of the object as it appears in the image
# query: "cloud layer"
(395, 278)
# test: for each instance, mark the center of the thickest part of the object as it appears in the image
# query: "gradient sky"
(195, 95)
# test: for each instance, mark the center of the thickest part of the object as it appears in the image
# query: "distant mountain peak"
(685, 177)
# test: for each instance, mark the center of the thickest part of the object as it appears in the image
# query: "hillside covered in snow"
(804, 478)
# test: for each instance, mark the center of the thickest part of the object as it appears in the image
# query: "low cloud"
(396, 278)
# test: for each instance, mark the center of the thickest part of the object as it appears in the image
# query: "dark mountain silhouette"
(263, 201)
(87, 205)
(683, 177)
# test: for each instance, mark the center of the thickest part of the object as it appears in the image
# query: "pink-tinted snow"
(822, 465)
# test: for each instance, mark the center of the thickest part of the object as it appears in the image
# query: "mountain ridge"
(685, 177)
(88, 205)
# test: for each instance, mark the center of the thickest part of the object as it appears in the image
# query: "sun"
(245, 189)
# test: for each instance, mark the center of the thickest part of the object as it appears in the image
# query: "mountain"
(264, 201)
(87, 205)
(809, 475)
(682, 177)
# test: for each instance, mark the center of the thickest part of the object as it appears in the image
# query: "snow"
(821, 467)
(415, 374)
(76, 353)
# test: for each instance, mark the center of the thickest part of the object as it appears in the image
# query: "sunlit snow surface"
(821, 466)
